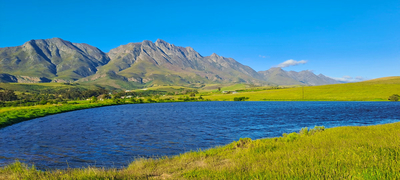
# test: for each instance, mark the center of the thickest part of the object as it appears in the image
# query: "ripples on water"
(113, 136)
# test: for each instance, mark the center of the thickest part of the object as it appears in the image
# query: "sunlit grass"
(374, 90)
(369, 152)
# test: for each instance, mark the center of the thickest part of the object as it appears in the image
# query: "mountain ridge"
(144, 63)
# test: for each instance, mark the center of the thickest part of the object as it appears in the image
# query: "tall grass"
(370, 152)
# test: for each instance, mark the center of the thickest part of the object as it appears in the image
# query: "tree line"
(56, 96)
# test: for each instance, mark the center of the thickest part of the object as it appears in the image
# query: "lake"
(113, 136)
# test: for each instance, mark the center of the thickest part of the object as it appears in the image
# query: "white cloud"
(350, 79)
(291, 62)
(360, 78)
(262, 56)
(347, 77)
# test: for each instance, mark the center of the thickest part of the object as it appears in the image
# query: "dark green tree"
(394, 97)
(8, 95)
(94, 99)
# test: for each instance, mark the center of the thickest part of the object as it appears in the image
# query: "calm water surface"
(113, 136)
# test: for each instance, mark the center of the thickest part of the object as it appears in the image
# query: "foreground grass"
(370, 152)
(373, 90)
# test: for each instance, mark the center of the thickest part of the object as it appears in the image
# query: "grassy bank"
(13, 115)
(370, 152)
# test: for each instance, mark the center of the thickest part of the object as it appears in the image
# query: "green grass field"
(373, 90)
(369, 152)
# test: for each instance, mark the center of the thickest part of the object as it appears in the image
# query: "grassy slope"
(234, 87)
(31, 86)
(36, 87)
(169, 88)
(369, 152)
(156, 74)
(373, 90)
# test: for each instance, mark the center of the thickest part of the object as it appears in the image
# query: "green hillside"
(29, 87)
(373, 90)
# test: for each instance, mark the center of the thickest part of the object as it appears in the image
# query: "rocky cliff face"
(147, 61)
(7, 78)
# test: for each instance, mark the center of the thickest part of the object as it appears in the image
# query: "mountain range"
(134, 64)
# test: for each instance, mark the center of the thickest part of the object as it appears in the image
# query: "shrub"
(151, 100)
(43, 102)
(243, 142)
(291, 137)
(394, 97)
(305, 131)
(240, 98)
(93, 99)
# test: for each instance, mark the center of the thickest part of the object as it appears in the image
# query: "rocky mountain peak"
(147, 43)
(215, 55)
(52, 58)
(56, 40)
(143, 62)
(189, 49)
(160, 41)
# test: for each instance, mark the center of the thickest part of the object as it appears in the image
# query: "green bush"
(151, 100)
(240, 98)
(291, 137)
(243, 142)
(394, 97)
(43, 102)
(93, 99)
(133, 100)
(305, 131)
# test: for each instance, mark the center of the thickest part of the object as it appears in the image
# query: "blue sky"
(336, 38)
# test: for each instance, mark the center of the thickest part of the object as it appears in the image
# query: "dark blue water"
(114, 136)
